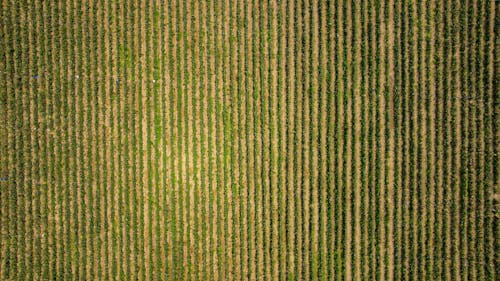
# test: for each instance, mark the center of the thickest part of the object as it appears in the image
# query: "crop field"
(249, 140)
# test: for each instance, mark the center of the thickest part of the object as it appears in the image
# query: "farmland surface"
(249, 140)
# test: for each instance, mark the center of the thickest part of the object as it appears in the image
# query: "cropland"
(249, 140)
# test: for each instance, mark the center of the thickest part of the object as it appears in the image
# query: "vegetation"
(249, 140)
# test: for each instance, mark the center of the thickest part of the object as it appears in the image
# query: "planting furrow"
(169, 77)
(266, 138)
(133, 238)
(383, 154)
(398, 181)
(430, 130)
(122, 216)
(439, 135)
(332, 79)
(72, 127)
(220, 143)
(60, 184)
(457, 89)
(291, 103)
(196, 129)
(4, 150)
(323, 119)
(12, 262)
(465, 127)
(365, 173)
(297, 138)
(79, 136)
(448, 141)
(282, 133)
(414, 100)
(471, 237)
(355, 141)
(481, 139)
(6, 145)
(348, 134)
(390, 134)
(274, 149)
(249, 100)
(107, 146)
(146, 137)
(185, 137)
(372, 119)
(166, 144)
(30, 118)
(257, 56)
(407, 153)
(22, 147)
(212, 206)
(212, 103)
(235, 145)
(315, 142)
(115, 234)
(205, 140)
(340, 151)
(306, 139)
(491, 102)
(137, 202)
